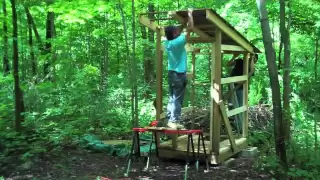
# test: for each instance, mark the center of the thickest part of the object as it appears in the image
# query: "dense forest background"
(82, 67)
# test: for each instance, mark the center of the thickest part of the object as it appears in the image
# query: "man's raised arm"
(189, 24)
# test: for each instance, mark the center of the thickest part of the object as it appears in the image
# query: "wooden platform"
(166, 150)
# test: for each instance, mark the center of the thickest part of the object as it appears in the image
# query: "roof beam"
(151, 25)
(232, 48)
(181, 20)
(200, 40)
(227, 30)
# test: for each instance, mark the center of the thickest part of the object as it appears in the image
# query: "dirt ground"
(85, 165)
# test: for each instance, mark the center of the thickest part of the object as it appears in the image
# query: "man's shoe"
(175, 125)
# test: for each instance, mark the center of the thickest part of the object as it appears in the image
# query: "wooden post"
(245, 95)
(215, 123)
(193, 88)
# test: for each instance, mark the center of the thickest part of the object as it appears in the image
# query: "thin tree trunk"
(17, 91)
(134, 71)
(145, 55)
(276, 96)
(6, 66)
(24, 63)
(125, 34)
(316, 111)
(127, 52)
(118, 58)
(104, 67)
(280, 52)
(36, 33)
(48, 46)
(149, 67)
(286, 74)
(149, 73)
(316, 60)
(30, 41)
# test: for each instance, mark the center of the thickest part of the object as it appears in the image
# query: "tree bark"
(134, 71)
(149, 61)
(30, 41)
(286, 70)
(105, 61)
(276, 96)
(34, 27)
(48, 45)
(19, 105)
(125, 35)
(6, 66)
(280, 52)
(316, 111)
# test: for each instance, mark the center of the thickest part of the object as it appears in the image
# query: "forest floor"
(81, 164)
(85, 165)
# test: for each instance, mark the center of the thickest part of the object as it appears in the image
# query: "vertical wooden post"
(159, 69)
(193, 88)
(215, 123)
(245, 95)
(159, 73)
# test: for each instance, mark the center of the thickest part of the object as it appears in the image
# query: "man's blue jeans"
(239, 93)
(177, 85)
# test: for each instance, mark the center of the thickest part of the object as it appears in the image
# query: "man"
(177, 68)
(238, 71)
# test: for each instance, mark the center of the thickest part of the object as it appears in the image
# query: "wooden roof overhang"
(206, 21)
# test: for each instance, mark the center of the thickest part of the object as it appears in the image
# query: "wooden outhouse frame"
(224, 39)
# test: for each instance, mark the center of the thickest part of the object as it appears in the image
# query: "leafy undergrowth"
(302, 156)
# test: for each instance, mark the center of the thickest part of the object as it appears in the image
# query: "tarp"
(115, 147)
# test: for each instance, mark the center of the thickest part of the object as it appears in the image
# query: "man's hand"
(190, 12)
(235, 55)
(231, 62)
(190, 19)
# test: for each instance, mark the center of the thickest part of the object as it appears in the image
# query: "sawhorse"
(155, 132)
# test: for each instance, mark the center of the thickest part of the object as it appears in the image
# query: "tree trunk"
(280, 51)
(48, 46)
(145, 55)
(19, 105)
(104, 66)
(149, 73)
(125, 34)
(6, 66)
(276, 96)
(30, 41)
(36, 33)
(118, 58)
(129, 68)
(134, 71)
(316, 111)
(149, 63)
(286, 70)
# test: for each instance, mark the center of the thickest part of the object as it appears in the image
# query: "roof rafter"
(152, 25)
(229, 31)
(182, 21)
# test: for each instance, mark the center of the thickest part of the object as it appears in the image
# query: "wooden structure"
(211, 29)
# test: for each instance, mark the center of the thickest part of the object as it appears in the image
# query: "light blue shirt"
(177, 54)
